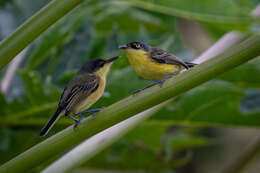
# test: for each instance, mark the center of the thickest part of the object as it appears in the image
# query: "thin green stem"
(33, 27)
(171, 10)
(133, 105)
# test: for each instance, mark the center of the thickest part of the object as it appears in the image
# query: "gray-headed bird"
(153, 63)
(84, 89)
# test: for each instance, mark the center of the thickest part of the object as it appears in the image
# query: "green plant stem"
(133, 105)
(97, 143)
(33, 27)
(170, 10)
(65, 122)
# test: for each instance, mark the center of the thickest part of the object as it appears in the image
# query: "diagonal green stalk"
(132, 105)
(33, 27)
(97, 143)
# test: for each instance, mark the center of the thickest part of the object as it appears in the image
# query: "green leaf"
(40, 100)
(246, 76)
(202, 10)
(214, 103)
(221, 14)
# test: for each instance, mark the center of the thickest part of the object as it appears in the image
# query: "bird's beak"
(123, 47)
(112, 59)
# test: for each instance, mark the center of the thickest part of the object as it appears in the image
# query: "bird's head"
(135, 48)
(98, 66)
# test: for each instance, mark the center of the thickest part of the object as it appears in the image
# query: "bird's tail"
(190, 64)
(51, 122)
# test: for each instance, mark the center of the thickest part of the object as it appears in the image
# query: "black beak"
(123, 47)
(112, 59)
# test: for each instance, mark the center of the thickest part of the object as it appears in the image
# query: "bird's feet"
(77, 121)
(160, 82)
(142, 89)
(94, 111)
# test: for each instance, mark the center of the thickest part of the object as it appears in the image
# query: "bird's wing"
(162, 56)
(77, 90)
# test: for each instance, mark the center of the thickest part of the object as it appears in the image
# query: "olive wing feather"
(162, 56)
(77, 90)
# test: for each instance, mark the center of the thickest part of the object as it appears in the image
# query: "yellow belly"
(148, 69)
(91, 99)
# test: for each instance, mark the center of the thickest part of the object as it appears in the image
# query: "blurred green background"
(204, 130)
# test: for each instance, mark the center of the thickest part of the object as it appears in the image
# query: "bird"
(84, 89)
(153, 63)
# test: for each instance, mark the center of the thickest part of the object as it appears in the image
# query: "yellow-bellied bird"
(153, 63)
(85, 88)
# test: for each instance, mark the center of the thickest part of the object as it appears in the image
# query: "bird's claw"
(90, 111)
(160, 82)
(94, 114)
(137, 91)
(142, 89)
(77, 121)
